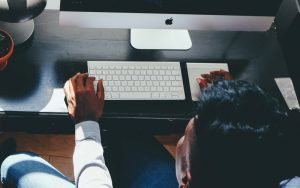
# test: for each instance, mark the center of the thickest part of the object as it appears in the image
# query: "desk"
(55, 53)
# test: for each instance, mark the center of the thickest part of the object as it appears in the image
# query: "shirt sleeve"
(90, 170)
(290, 183)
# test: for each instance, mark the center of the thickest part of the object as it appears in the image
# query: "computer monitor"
(163, 24)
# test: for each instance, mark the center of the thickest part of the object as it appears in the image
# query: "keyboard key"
(107, 95)
(121, 89)
(178, 78)
(117, 83)
(134, 78)
(155, 95)
(135, 95)
(114, 95)
(111, 83)
(166, 78)
(175, 72)
(175, 88)
(130, 83)
(123, 83)
(108, 77)
(92, 72)
(137, 72)
(153, 78)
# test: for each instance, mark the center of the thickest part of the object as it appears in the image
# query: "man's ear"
(186, 179)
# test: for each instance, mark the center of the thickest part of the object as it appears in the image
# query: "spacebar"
(135, 95)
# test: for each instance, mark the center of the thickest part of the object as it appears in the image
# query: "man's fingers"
(73, 81)
(225, 74)
(85, 76)
(80, 81)
(205, 75)
(219, 73)
(202, 83)
(90, 83)
(75, 76)
(214, 72)
(100, 90)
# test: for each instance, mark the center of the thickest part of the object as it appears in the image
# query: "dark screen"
(210, 7)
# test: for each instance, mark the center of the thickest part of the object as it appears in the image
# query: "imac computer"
(164, 24)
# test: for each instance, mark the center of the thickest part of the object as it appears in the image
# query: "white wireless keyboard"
(133, 80)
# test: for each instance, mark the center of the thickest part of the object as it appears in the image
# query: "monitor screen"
(207, 7)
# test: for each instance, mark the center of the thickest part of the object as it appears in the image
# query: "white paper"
(56, 103)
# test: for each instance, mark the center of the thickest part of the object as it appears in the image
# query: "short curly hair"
(237, 137)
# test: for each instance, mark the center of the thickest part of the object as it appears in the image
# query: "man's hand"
(83, 102)
(205, 79)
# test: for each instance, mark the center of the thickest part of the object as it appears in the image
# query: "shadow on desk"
(64, 70)
(21, 77)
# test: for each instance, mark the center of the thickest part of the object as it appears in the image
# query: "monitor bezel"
(158, 21)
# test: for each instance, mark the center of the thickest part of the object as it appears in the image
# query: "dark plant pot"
(6, 48)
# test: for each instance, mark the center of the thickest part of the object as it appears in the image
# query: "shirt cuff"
(87, 130)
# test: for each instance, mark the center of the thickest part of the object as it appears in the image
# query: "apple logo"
(169, 21)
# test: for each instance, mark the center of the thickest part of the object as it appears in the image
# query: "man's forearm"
(89, 166)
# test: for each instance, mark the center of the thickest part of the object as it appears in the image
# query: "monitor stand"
(160, 39)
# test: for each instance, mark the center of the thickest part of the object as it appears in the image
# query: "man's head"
(234, 139)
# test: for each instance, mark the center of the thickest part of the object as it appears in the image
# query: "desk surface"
(55, 53)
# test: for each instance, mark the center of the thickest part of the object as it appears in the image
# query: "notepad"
(287, 90)
(196, 69)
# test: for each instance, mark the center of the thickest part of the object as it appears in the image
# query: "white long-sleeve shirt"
(90, 170)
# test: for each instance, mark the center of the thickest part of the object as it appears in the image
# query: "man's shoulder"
(291, 183)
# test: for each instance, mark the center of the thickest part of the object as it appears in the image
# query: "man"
(234, 140)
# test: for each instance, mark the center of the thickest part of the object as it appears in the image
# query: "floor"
(58, 149)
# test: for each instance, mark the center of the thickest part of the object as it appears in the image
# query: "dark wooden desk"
(55, 53)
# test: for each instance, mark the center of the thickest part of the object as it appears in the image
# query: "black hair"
(237, 137)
